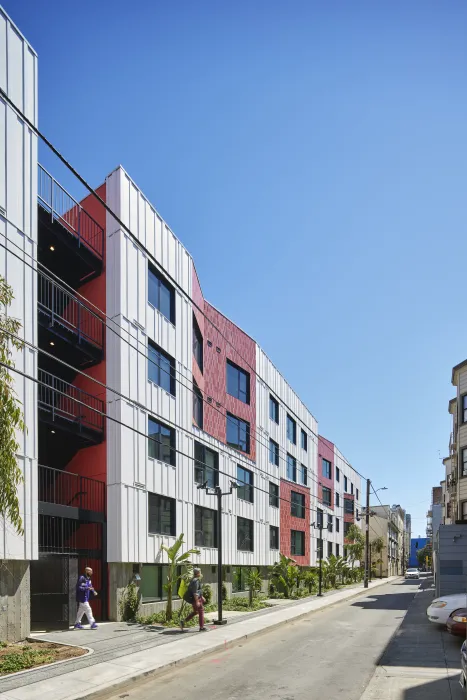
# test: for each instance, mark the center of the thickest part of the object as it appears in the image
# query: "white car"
(412, 573)
(440, 608)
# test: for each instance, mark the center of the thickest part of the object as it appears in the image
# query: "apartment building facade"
(138, 394)
(454, 484)
(388, 522)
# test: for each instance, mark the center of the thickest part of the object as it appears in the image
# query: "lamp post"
(367, 530)
(319, 526)
(217, 491)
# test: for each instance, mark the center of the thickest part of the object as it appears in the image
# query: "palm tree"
(378, 545)
(254, 582)
(175, 560)
(284, 574)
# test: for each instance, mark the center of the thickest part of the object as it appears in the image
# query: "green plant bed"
(24, 655)
(160, 619)
(239, 604)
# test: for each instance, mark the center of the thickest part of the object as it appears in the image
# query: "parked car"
(440, 608)
(412, 573)
(463, 678)
(457, 622)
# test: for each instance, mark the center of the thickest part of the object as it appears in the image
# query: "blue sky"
(312, 157)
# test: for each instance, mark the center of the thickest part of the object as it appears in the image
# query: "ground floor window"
(153, 582)
(239, 579)
(297, 543)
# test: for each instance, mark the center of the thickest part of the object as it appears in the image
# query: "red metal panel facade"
(288, 522)
(326, 451)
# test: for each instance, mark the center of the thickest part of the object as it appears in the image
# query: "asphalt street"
(327, 655)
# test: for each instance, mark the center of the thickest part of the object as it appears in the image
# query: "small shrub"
(224, 592)
(159, 618)
(129, 603)
(22, 659)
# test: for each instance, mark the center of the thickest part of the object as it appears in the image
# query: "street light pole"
(367, 533)
(320, 591)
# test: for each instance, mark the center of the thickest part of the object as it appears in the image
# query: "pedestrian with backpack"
(194, 596)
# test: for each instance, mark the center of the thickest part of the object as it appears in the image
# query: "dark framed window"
(329, 522)
(345, 552)
(153, 578)
(329, 549)
(464, 510)
(161, 294)
(346, 489)
(464, 462)
(161, 442)
(238, 382)
(351, 488)
(297, 504)
(239, 579)
(346, 528)
(297, 543)
(338, 474)
(197, 344)
(291, 430)
(348, 506)
(161, 368)
(238, 433)
(273, 409)
(338, 525)
(319, 517)
(198, 412)
(304, 438)
(273, 494)
(327, 468)
(274, 452)
(245, 534)
(337, 550)
(273, 537)
(327, 496)
(304, 475)
(205, 527)
(161, 515)
(357, 495)
(245, 484)
(464, 408)
(338, 499)
(206, 465)
(291, 468)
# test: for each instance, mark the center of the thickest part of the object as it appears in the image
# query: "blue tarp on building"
(416, 544)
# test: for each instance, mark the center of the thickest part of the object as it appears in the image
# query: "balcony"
(64, 228)
(70, 409)
(62, 488)
(69, 326)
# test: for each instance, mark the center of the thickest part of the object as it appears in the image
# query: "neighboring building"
(407, 541)
(388, 522)
(176, 396)
(416, 544)
(455, 501)
(450, 559)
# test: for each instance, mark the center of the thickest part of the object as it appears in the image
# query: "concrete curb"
(188, 658)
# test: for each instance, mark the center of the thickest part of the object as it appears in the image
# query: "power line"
(150, 255)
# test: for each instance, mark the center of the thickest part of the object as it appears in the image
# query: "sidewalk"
(422, 662)
(122, 653)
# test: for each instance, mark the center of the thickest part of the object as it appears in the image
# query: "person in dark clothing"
(194, 595)
(85, 591)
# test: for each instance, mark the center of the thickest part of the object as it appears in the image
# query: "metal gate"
(52, 592)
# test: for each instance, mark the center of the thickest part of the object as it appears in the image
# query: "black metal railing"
(64, 401)
(66, 489)
(72, 537)
(65, 310)
(63, 207)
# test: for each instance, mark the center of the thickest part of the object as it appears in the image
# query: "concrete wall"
(15, 606)
(451, 559)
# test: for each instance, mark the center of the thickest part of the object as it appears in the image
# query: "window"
(326, 466)
(351, 488)
(348, 506)
(291, 430)
(337, 550)
(304, 441)
(197, 406)
(197, 344)
(239, 579)
(273, 537)
(345, 552)
(153, 578)
(346, 528)
(304, 475)
(297, 504)
(330, 523)
(161, 515)
(338, 500)
(464, 510)
(357, 495)
(329, 549)
(345, 484)
(205, 527)
(319, 518)
(245, 534)
(464, 462)
(338, 474)
(291, 468)
(327, 495)
(273, 494)
(161, 294)
(245, 484)
(238, 433)
(464, 409)
(338, 525)
(274, 452)
(238, 382)
(273, 409)
(161, 368)
(161, 442)
(206, 465)
(297, 543)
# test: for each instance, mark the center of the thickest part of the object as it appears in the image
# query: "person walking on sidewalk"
(194, 595)
(84, 591)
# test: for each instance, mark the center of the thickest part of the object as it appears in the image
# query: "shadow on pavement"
(396, 601)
